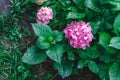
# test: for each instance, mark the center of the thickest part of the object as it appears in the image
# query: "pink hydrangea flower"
(40, 2)
(79, 34)
(44, 15)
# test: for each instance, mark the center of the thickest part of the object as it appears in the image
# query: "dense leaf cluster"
(103, 55)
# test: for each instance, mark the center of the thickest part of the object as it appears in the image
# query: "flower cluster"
(44, 15)
(79, 34)
(40, 2)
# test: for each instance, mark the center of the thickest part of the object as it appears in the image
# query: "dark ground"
(84, 74)
(3, 7)
(46, 67)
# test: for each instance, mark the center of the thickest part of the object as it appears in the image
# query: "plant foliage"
(102, 57)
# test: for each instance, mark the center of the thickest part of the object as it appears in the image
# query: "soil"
(4, 6)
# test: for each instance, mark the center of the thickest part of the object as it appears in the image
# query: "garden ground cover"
(12, 40)
(18, 35)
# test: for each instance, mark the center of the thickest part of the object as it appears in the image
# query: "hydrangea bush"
(77, 34)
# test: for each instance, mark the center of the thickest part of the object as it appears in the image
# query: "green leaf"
(71, 55)
(105, 57)
(26, 73)
(82, 54)
(75, 15)
(1, 53)
(115, 42)
(93, 4)
(103, 71)
(39, 28)
(93, 52)
(82, 63)
(21, 68)
(104, 40)
(77, 1)
(114, 72)
(116, 4)
(42, 43)
(65, 3)
(73, 9)
(93, 67)
(55, 53)
(58, 36)
(34, 56)
(117, 25)
(95, 27)
(64, 69)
